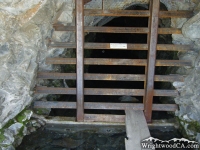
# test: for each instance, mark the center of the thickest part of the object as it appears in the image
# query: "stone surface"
(22, 41)
(191, 27)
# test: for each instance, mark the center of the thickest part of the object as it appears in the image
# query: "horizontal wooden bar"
(129, 62)
(127, 13)
(173, 63)
(172, 47)
(118, 29)
(106, 46)
(62, 44)
(87, 1)
(98, 61)
(176, 14)
(104, 91)
(104, 29)
(104, 106)
(55, 104)
(138, 13)
(110, 77)
(169, 31)
(104, 118)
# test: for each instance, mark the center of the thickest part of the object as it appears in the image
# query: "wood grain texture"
(136, 129)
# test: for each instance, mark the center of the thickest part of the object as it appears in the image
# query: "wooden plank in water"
(136, 129)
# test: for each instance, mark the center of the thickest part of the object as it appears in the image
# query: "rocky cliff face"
(25, 27)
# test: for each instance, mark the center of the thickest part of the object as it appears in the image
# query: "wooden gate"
(149, 77)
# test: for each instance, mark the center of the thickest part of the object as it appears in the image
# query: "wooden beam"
(120, 13)
(104, 91)
(139, 13)
(106, 46)
(79, 59)
(136, 129)
(104, 118)
(126, 62)
(104, 106)
(151, 59)
(87, 1)
(109, 77)
(138, 30)
(176, 14)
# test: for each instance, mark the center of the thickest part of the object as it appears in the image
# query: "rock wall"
(25, 27)
(189, 99)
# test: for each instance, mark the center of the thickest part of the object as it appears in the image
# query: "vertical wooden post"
(80, 59)
(152, 43)
(148, 39)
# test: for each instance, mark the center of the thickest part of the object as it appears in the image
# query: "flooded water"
(59, 138)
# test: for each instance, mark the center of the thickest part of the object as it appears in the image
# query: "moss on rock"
(24, 116)
(2, 137)
(189, 129)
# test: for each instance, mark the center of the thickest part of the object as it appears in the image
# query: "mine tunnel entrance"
(126, 62)
(115, 77)
(129, 38)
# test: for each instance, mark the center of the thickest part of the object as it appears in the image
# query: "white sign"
(118, 45)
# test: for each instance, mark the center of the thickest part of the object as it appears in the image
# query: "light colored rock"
(15, 128)
(9, 139)
(178, 85)
(191, 27)
(198, 137)
(22, 39)
(8, 148)
(191, 56)
(181, 40)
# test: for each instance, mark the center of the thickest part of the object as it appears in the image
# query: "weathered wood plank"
(104, 91)
(127, 13)
(125, 62)
(109, 77)
(148, 97)
(104, 118)
(139, 13)
(138, 30)
(106, 46)
(136, 129)
(80, 59)
(104, 106)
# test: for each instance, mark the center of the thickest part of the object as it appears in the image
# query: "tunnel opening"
(110, 69)
(108, 137)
